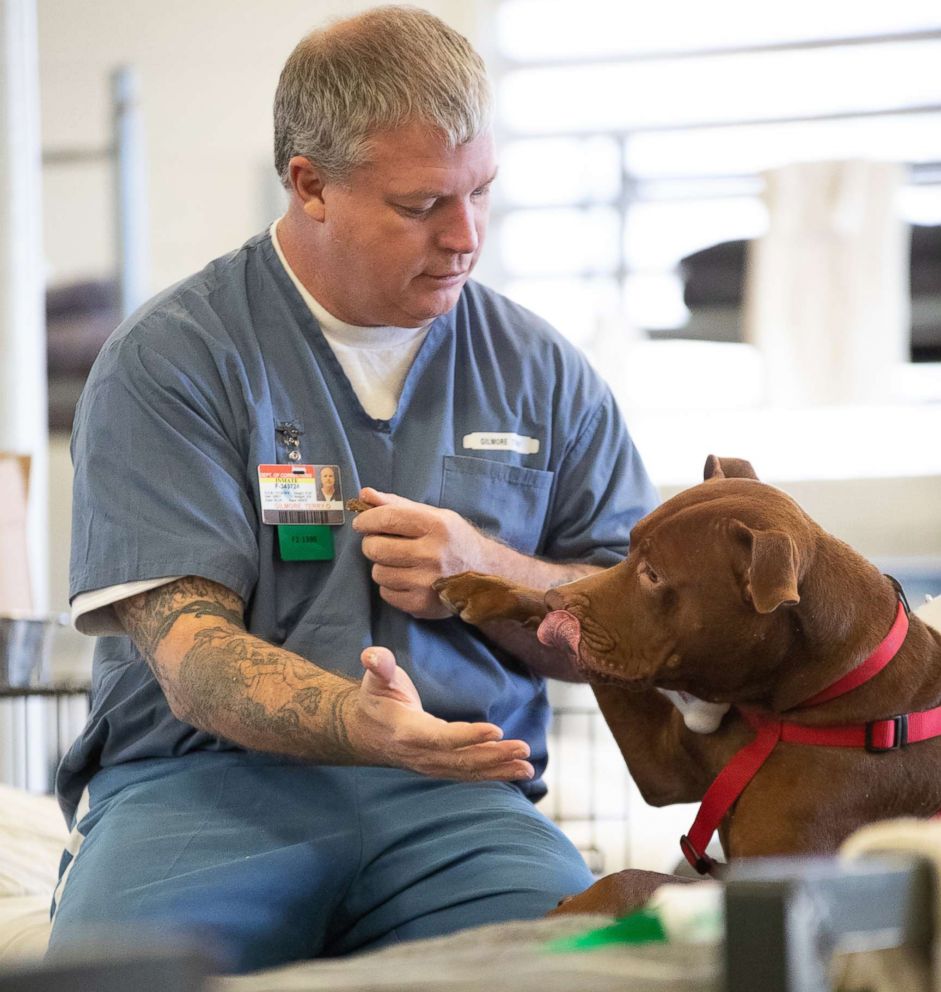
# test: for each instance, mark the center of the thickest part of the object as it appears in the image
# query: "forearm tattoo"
(148, 617)
(234, 684)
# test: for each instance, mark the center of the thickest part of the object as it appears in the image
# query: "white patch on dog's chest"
(699, 716)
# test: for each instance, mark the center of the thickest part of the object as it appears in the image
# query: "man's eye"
(416, 211)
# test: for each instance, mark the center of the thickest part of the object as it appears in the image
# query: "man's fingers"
(513, 771)
(457, 735)
(394, 552)
(460, 750)
(490, 760)
(494, 760)
(379, 498)
(397, 520)
(493, 754)
(394, 515)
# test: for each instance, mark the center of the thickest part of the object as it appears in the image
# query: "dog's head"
(703, 602)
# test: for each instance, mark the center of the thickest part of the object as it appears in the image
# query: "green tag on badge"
(302, 542)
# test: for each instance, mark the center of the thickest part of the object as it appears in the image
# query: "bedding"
(24, 928)
(507, 957)
(503, 957)
(32, 836)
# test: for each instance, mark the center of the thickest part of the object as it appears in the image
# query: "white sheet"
(32, 836)
(24, 928)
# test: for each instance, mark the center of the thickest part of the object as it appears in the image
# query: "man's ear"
(727, 468)
(307, 184)
(771, 566)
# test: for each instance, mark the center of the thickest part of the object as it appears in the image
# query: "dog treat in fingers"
(356, 505)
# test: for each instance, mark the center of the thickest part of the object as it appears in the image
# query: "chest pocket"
(505, 501)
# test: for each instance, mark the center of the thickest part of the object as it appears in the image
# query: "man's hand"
(222, 679)
(411, 545)
(387, 721)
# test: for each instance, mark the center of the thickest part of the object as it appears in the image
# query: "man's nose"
(459, 231)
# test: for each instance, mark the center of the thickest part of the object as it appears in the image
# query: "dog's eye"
(648, 573)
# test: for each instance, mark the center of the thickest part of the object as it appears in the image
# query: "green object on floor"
(642, 927)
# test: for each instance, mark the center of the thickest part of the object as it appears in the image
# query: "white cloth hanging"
(826, 291)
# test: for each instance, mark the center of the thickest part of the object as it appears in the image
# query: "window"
(633, 138)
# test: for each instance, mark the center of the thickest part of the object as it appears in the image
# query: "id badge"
(304, 502)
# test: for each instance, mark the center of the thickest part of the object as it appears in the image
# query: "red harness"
(876, 736)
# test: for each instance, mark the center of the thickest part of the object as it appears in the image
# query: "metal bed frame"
(786, 917)
(37, 725)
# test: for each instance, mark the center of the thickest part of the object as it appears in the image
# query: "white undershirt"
(376, 360)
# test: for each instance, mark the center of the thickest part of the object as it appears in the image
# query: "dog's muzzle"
(560, 629)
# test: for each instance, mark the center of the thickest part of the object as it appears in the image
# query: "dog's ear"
(772, 567)
(727, 468)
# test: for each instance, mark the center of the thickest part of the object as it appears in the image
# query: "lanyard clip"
(290, 435)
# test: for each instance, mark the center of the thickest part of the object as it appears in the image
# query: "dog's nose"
(555, 600)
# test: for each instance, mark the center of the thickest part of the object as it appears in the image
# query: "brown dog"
(733, 594)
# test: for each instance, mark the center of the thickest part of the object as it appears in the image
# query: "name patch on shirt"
(501, 441)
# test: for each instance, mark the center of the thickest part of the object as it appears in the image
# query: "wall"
(208, 72)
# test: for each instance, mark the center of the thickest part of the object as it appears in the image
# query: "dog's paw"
(478, 598)
(474, 597)
(617, 894)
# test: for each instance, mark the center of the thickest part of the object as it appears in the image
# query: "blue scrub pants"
(263, 861)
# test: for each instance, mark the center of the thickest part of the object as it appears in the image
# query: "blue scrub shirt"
(182, 407)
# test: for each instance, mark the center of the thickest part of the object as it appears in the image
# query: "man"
(241, 777)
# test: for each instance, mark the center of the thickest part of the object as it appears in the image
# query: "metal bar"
(129, 191)
(65, 689)
(592, 788)
(21, 773)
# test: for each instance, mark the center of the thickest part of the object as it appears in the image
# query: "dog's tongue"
(560, 629)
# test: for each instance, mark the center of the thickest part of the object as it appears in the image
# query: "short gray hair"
(386, 67)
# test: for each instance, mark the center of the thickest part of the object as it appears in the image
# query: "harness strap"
(871, 666)
(876, 736)
(725, 789)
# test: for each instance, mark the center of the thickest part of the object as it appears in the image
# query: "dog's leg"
(510, 616)
(617, 894)
(478, 599)
(669, 763)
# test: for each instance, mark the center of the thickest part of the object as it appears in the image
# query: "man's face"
(326, 478)
(405, 229)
